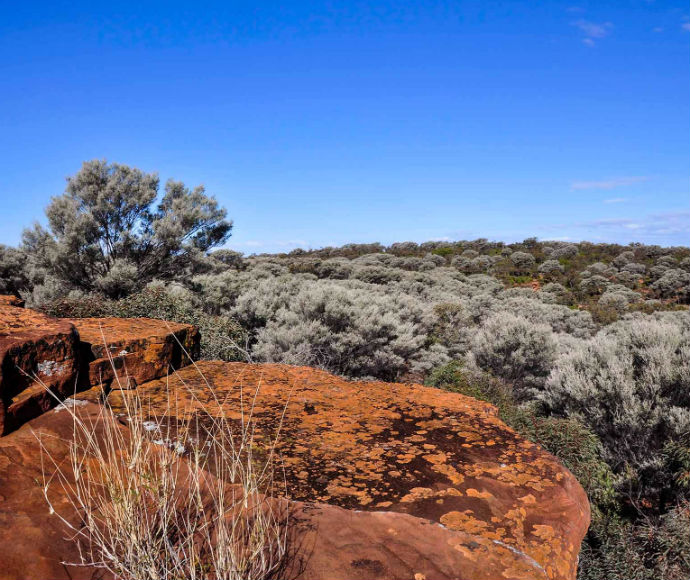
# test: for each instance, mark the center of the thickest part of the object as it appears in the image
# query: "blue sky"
(323, 123)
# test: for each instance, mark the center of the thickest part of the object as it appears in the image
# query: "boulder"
(38, 364)
(133, 350)
(328, 542)
(407, 449)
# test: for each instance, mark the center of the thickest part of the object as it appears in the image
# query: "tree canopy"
(107, 233)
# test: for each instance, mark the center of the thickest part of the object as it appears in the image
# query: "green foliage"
(454, 377)
(677, 455)
(656, 548)
(444, 251)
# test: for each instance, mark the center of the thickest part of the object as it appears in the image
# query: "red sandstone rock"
(34, 349)
(10, 300)
(334, 543)
(139, 349)
(387, 480)
(403, 448)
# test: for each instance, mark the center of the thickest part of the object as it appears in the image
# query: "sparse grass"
(173, 511)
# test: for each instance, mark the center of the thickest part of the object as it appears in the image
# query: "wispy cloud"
(617, 200)
(280, 244)
(686, 26)
(662, 224)
(607, 183)
(592, 31)
(669, 228)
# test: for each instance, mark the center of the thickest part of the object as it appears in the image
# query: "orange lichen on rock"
(11, 300)
(463, 494)
(361, 445)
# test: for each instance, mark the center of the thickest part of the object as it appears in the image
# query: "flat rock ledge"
(44, 360)
(125, 352)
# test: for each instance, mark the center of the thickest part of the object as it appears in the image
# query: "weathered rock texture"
(36, 351)
(335, 543)
(9, 300)
(402, 448)
(133, 350)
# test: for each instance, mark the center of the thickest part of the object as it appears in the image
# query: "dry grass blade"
(175, 509)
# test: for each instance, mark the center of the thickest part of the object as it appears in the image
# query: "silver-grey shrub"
(631, 385)
(674, 282)
(348, 328)
(13, 276)
(523, 260)
(564, 251)
(550, 266)
(515, 350)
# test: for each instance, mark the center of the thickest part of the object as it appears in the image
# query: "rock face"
(408, 449)
(10, 300)
(386, 480)
(37, 351)
(133, 350)
(34, 349)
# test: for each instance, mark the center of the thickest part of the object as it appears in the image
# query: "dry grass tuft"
(156, 509)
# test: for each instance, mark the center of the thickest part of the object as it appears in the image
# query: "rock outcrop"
(410, 449)
(335, 543)
(36, 353)
(10, 300)
(132, 350)
(386, 480)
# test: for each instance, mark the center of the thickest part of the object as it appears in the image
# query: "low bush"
(655, 548)
(631, 385)
(222, 338)
(515, 350)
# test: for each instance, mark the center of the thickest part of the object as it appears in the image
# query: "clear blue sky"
(322, 123)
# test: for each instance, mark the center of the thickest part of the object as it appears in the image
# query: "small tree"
(523, 261)
(105, 235)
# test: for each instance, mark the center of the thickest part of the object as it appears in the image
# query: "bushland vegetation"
(584, 348)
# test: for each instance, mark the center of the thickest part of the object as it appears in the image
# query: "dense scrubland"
(584, 348)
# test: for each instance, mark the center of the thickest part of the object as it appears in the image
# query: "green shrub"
(443, 251)
(656, 548)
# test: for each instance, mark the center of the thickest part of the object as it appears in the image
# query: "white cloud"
(670, 228)
(686, 26)
(592, 31)
(617, 200)
(651, 225)
(607, 183)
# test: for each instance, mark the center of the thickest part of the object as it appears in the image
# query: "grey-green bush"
(515, 350)
(106, 235)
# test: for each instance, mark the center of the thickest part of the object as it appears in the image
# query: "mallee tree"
(106, 233)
